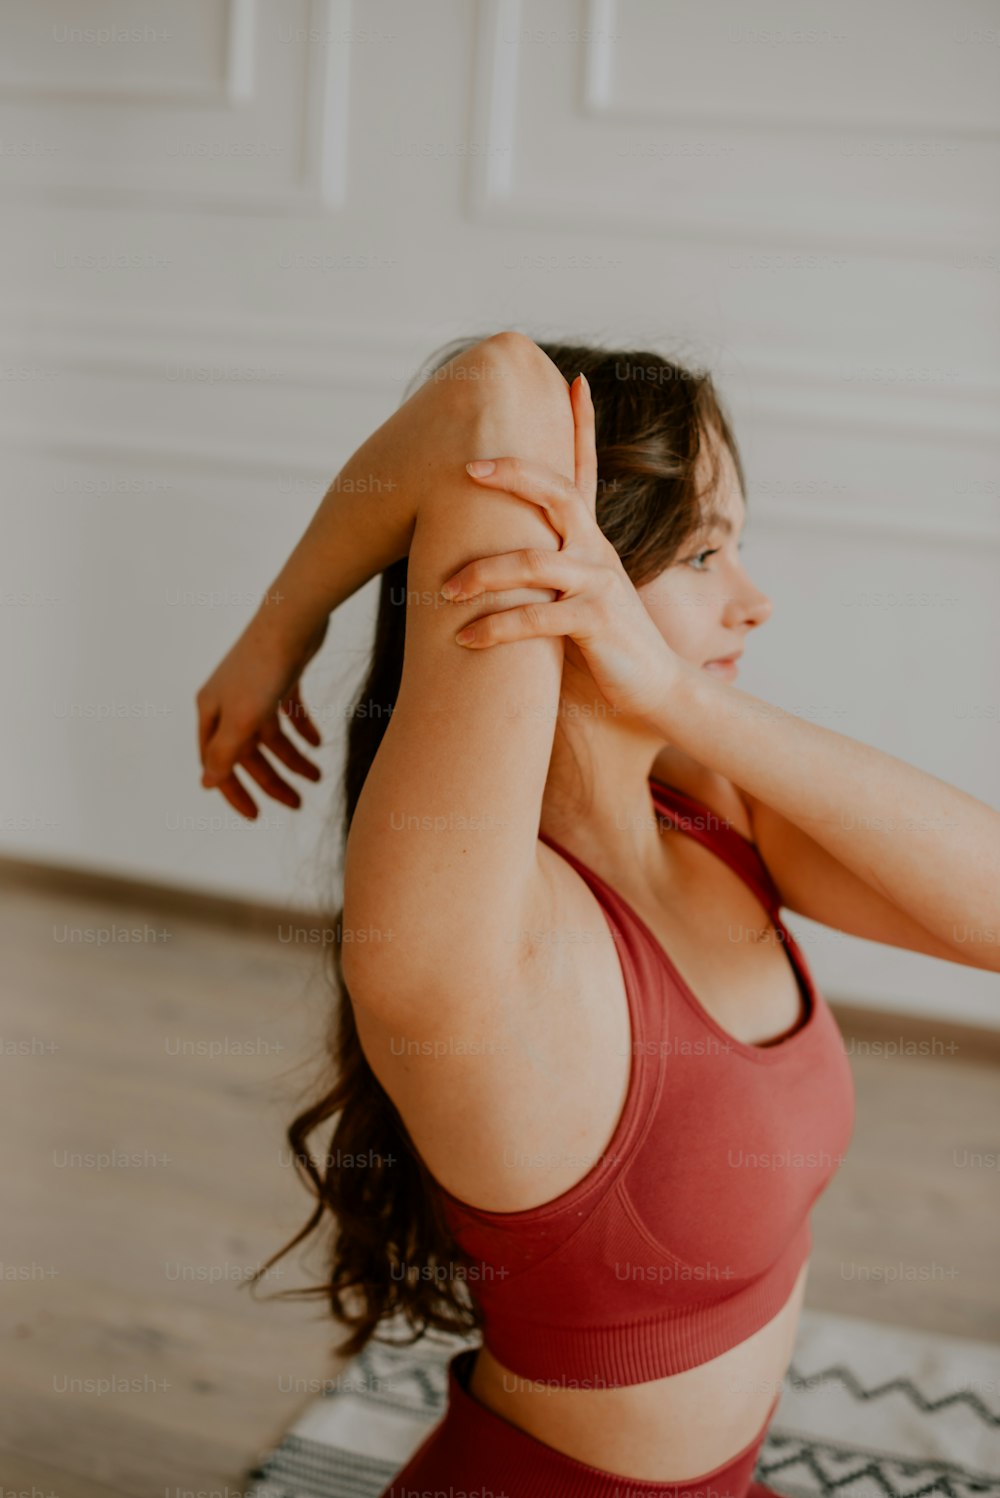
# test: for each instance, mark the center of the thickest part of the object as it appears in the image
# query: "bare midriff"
(668, 1429)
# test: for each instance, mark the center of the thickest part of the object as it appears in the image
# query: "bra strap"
(714, 832)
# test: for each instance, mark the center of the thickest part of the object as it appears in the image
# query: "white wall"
(235, 230)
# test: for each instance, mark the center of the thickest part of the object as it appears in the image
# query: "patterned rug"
(866, 1411)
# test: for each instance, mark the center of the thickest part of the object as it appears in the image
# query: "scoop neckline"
(627, 1120)
(763, 1055)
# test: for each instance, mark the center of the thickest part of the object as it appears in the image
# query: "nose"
(749, 606)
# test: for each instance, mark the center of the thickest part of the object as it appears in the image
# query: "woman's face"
(704, 604)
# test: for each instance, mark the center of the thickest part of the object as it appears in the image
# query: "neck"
(597, 799)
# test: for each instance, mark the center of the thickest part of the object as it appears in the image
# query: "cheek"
(684, 614)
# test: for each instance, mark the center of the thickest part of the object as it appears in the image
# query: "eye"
(708, 552)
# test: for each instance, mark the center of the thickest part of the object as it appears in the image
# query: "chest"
(718, 938)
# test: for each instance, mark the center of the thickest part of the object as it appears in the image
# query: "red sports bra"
(689, 1232)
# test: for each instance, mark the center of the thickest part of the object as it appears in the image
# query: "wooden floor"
(133, 1361)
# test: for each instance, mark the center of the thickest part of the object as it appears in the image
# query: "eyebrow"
(716, 521)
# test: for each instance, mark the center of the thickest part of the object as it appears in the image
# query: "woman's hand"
(600, 610)
(238, 712)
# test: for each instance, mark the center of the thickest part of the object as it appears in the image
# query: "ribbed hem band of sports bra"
(472, 1447)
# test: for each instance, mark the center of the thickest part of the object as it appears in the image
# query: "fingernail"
(586, 382)
(481, 467)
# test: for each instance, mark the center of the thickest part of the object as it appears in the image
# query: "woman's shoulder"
(674, 767)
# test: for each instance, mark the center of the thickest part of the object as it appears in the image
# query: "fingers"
(584, 441)
(530, 568)
(267, 777)
(223, 744)
(545, 487)
(294, 708)
(208, 721)
(222, 751)
(526, 622)
(264, 773)
(238, 797)
(282, 748)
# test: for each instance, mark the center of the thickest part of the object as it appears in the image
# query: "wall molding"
(900, 230)
(600, 19)
(143, 344)
(789, 392)
(233, 87)
(785, 387)
(319, 181)
(241, 49)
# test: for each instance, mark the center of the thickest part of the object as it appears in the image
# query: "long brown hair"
(371, 1189)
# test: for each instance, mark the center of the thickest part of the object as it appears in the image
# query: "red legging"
(474, 1447)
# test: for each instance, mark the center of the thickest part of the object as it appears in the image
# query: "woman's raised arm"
(442, 854)
(366, 518)
(363, 524)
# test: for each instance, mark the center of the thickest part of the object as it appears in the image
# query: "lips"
(725, 666)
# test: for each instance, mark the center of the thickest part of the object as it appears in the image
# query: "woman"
(586, 1090)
